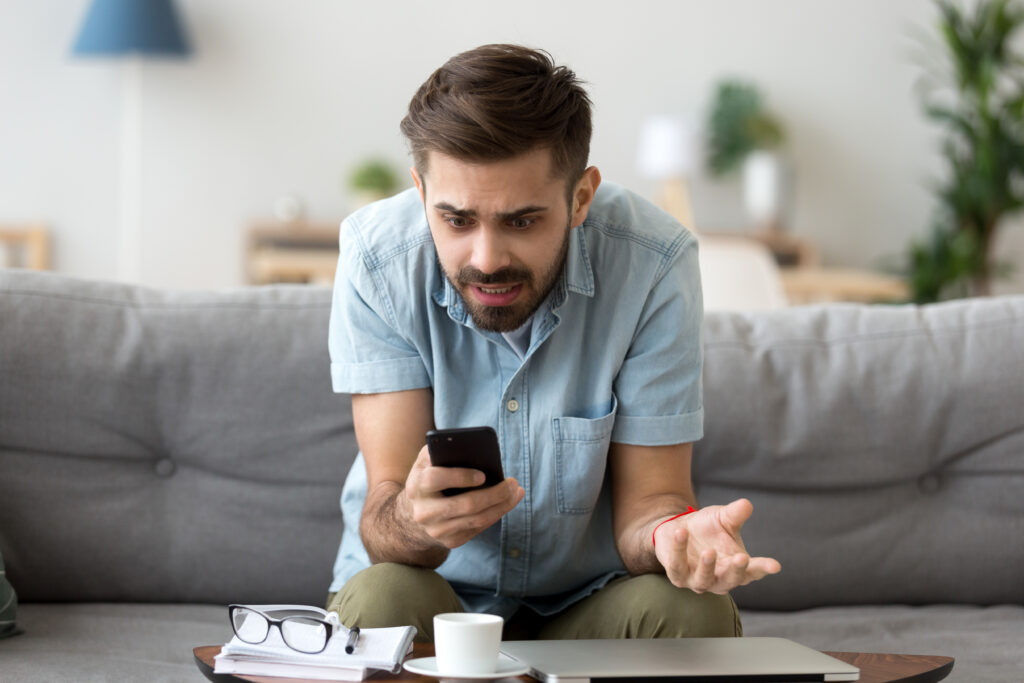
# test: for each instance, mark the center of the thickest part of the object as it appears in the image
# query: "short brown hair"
(496, 102)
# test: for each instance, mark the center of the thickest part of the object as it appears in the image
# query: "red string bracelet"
(689, 509)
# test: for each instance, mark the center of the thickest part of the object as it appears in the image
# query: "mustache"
(470, 275)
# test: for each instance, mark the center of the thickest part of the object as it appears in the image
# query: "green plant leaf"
(374, 175)
(738, 124)
(983, 149)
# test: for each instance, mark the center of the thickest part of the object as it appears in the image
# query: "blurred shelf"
(25, 247)
(789, 251)
(820, 285)
(806, 281)
(293, 252)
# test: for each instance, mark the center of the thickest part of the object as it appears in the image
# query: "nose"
(490, 254)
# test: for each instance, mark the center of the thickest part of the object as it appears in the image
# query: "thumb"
(736, 513)
(422, 459)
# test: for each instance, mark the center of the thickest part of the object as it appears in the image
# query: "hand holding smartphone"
(473, 447)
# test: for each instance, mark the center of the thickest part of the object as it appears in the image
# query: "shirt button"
(514, 552)
(512, 405)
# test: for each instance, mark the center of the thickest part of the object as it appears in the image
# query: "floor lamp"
(131, 30)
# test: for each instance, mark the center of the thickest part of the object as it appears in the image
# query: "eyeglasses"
(302, 631)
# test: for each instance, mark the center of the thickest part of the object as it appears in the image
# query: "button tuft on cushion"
(164, 467)
(929, 483)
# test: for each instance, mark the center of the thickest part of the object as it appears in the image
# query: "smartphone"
(472, 447)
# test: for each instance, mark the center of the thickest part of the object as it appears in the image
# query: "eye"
(456, 221)
(522, 223)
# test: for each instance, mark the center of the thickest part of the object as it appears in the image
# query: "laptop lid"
(677, 659)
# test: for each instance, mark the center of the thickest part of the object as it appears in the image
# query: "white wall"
(284, 96)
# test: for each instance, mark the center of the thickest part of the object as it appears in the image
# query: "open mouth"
(496, 296)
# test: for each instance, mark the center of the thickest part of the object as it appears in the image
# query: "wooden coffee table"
(874, 667)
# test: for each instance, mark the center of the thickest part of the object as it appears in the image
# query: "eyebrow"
(502, 216)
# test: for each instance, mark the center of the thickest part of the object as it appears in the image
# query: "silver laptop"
(682, 659)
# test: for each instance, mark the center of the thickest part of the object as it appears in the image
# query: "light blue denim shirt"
(615, 355)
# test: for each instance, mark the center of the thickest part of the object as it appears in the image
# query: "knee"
(391, 594)
(657, 609)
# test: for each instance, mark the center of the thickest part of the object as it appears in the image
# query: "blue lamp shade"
(118, 27)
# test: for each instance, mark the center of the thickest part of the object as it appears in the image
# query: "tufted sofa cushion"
(152, 444)
(882, 447)
(168, 446)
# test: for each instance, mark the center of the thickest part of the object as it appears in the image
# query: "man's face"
(501, 230)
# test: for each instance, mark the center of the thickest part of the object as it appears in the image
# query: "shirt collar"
(446, 296)
(578, 273)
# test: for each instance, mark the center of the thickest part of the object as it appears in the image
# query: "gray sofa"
(165, 453)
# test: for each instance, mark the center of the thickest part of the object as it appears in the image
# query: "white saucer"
(427, 666)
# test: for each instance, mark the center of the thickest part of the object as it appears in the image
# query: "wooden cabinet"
(806, 281)
(25, 247)
(294, 252)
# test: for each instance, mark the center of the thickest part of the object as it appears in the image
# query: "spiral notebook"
(377, 648)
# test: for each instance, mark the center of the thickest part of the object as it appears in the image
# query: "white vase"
(765, 188)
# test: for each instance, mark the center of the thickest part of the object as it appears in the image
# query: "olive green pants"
(647, 606)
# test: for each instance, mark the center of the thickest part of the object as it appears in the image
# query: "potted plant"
(373, 179)
(743, 133)
(981, 109)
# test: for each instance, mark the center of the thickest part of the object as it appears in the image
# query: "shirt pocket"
(581, 457)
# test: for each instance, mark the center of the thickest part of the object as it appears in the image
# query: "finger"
(434, 511)
(489, 516)
(757, 571)
(492, 495)
(455, 531)
(437, 479)
(763, 566)
(520, 494)
(732, 573)
(506, 495)
(473, 502)
(421, 463)
(736, 513)
(671, 552)
(703, 577)
(449, 523)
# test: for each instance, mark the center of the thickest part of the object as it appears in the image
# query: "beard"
(536, 287)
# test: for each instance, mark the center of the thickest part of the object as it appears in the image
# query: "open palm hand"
(703, 550)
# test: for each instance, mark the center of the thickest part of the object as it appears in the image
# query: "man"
(508, 290)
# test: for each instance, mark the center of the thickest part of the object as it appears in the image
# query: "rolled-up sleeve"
(368, 354)
(659, 386)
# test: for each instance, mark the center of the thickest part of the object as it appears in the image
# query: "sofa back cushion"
(882, 447)
(176, 446)
(168, 446)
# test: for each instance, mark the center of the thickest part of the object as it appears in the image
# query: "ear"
(420, 185)
(583, 195)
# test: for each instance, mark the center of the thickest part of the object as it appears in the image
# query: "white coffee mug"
(467, 644)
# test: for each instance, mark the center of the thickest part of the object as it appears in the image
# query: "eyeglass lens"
(249, 626)
(304, 635)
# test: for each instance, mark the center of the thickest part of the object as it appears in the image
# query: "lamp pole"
(131, 30)
(129, 242)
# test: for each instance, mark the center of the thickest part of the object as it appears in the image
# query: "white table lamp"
(669, 151)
